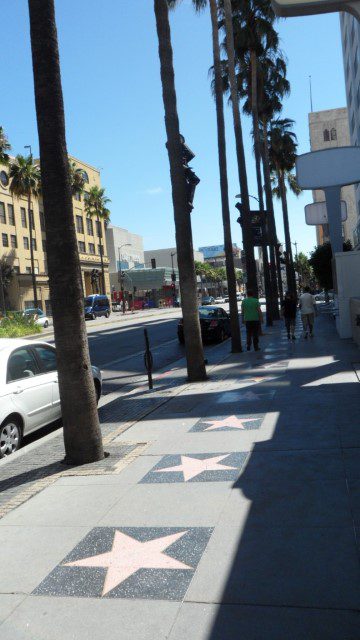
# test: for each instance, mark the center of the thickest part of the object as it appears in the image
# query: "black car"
(214, 322)
(207, 300)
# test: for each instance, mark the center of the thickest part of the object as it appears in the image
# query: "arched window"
(86, 177)
(333, 134)
(326, 135)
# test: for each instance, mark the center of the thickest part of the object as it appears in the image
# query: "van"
(96, 305)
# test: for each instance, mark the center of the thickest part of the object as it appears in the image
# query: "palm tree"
(184, 245)
(230, 268)
(26, 183)
(82, 435)
(240, 151)
(76, 178)
(282, 152)
(4, 147)
(95, 206)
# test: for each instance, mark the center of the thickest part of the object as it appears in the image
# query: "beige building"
(15, 247)
(331, 129)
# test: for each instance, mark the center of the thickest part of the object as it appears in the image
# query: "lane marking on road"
(136, 354)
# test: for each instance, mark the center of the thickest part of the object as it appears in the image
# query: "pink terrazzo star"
(128, 555)
(192, 467)
(231, 421)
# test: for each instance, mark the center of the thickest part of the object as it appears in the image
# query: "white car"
(29, 390)
(219, 300)
(40, 318)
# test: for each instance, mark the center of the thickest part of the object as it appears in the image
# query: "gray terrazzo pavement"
(269, 549)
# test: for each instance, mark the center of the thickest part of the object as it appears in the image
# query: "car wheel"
(93, 316)
(10, 437)
(46, 324)
(97, 392)
(222, 335)
(107, 314)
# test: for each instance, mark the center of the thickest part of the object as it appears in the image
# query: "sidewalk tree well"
(96, 207)
(82, 435)
(25, 182)
(320, 261)
(4, 147)
(184, 245)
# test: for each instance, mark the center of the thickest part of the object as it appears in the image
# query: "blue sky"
(114, 110)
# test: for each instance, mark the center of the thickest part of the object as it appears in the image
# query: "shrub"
(16, 325)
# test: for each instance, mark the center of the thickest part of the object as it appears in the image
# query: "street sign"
(288, 8)
(316, 213)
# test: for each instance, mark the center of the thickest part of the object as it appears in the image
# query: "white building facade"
(166, 257)
(330, 129)
(125, 249)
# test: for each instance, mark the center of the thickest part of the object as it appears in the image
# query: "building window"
(44, 246)
(333, 134)
(16, 269)
(11, 215)
(100, 250)
(33, 244)
(81, 246)
(89, 226)
(352, 34)
(348, 69)
(352, 125)
(86, 195)
(326, 135)
(86, 177)
(13, 241)
(91, 248)
(2, 213)
(98, 229)
(77, 196)
(26, 243)
(4, 178)
(42, 221)
(350, 97)
(32, 222)
(5, 240)
(356, 62)
(79, 224)
(28, 270)
(23, 217)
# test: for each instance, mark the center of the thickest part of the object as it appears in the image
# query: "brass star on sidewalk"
(192, 467)
(128, 555)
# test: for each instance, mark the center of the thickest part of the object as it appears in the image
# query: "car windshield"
(208, 313)
(88, 302)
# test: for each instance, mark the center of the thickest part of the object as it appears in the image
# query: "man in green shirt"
(252, 317)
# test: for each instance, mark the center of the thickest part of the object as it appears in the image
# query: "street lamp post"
(120, 276)
(173, 276)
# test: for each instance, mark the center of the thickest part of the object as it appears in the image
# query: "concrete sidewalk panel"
(279, 566)
(131, 474)
(289, 436)
(29, 553)
(198, 442)
(352, 463)
(43, 618)
(64, 506)
(224, 622)
(8, 603)
(290, 502)
(191, 504)
(304, 466)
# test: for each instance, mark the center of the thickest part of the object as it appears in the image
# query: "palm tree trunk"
(240, 153)
(271, 221)
(32, 261)
(184, 245)
(82, 435)
(256, 133)
(229, 255)
(103, 290)
(290, 273)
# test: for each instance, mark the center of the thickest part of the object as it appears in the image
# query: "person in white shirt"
(307, 310)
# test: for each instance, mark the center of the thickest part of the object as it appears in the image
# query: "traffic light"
(173, 276)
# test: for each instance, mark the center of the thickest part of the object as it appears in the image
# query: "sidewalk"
(234, 513)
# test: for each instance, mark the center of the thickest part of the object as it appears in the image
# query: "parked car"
(207, 300)
(39, 316)
(219, 300)
(29, 391)
(96, 305)
(214, 322)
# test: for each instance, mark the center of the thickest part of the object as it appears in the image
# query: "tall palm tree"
(76, 178)
(82, 435)
(230, 268)
(4, 147)
(25, 182)
(240, 151)
(282, 152)
(96, 207)
(184, 245)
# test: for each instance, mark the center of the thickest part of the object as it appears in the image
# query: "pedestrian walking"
(252, 317)
(307, 310)
(289, 314)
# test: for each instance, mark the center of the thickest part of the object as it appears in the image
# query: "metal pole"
(148, 359)
(333, 206)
